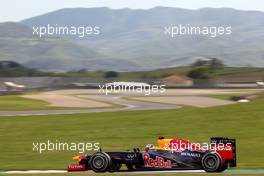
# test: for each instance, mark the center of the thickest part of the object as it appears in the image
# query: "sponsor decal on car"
(157, 162)
(76, 167)
(191, 154)
(130, 156)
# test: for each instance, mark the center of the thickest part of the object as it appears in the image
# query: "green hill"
(18, 44)
(133, 40)
(14, 69)
(138, 36)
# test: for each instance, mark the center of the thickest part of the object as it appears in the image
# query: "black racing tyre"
(222, 168)
(130, 167)
(211, 162)
(114, 167)
(100, 162)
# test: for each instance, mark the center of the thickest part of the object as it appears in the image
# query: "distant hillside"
(226, 74)
(134, 40)
(11, 29)
(14, 69)
(18, 44)
(137, 36)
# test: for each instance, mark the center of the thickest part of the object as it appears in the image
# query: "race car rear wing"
(223, 140)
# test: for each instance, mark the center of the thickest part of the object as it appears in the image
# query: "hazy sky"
(15, 10)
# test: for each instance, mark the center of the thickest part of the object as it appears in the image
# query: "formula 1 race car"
(170, 154)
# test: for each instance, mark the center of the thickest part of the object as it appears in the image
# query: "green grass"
(237, 70)
(241, 74)
(125, 130)
(18, 103)
(229, 96)
(15, 102)
(237, 92)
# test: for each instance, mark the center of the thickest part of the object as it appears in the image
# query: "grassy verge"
(125, 130)
(15, 102)
(229, 96)
(18, 103)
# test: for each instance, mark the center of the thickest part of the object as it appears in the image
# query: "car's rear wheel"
(211, 162)
(100, 162)
(222, 168)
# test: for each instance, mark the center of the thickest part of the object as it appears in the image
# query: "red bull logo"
(157, 162)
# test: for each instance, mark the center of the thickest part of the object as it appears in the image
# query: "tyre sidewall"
(106, 162)
(217, 159)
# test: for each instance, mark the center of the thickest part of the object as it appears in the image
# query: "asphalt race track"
(130, 105)
(91, 97)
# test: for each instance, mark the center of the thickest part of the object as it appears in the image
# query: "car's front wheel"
(211, 162)
(100, 162)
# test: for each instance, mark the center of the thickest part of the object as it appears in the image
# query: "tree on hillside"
(14, 69)
(10, 64)
(111, 74)
(200, 73)
(212, 64)
(216, 64)
(200, 63)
